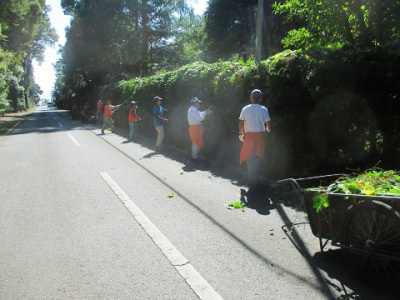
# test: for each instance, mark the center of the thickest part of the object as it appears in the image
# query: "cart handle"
(314, 177)
(298, 189)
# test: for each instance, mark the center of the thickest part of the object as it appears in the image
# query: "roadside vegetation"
(25, 30)
(9, 120)
(329, 74)
(5, 125)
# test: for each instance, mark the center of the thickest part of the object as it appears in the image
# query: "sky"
(44, 73)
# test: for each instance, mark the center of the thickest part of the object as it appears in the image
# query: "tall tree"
(336, 23)
(113, 39)
(231, 24)
(26, 30)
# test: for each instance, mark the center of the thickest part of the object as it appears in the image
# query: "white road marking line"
(193, 278)
(61, 125)
(73, 139)
(11, 129)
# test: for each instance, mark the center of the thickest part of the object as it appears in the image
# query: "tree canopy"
(333, 24)
(110, 40)
(25, 30)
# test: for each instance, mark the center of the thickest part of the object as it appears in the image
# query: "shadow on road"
(262, 200)
(351, 279)
(40, 122)
(259, 199)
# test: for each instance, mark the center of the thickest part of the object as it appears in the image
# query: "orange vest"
(107, 111)
(196, 135)
(132, 115)
(253, 145)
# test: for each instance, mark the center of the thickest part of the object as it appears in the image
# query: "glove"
(241, 137)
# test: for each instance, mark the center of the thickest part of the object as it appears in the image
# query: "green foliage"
(301, 37)
(186, 47)
(24, 31)
(5, 73)
(320, 201)
(371, 182)
(332, 24)
(113, 40)
(226, 86)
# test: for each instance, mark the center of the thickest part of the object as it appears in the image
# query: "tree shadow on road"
(235, 175)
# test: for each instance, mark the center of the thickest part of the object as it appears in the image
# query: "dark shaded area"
(41, 123)
(337, 267)
(259, 199)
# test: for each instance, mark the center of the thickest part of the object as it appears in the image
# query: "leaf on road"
(236, 205)
(170, 195)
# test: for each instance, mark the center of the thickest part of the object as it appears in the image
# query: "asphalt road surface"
(90, 216)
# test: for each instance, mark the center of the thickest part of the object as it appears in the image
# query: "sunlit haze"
(45, 74)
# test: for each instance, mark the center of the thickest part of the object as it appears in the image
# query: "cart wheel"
(371, 228)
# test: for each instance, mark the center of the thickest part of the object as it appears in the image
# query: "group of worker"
(254, 121)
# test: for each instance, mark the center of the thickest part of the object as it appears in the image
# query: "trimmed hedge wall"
(323, 108)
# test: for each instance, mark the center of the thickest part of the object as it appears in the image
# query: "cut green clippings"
(371, 182)
(236, 205)
(320, 202)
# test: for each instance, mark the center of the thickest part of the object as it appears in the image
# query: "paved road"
(86, 216)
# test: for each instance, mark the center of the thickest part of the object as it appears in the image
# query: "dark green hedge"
(329, 110)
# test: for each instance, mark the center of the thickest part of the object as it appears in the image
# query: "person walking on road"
(159, 122)
(254, 121)
(99, 112)
(133, 120)
(195, 117)
(108, 112)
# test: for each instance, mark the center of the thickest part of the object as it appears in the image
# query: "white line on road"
(73, 139)
(198, 284)
(11, 129)
(61, 125)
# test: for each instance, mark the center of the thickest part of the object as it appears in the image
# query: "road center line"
(73, 139)
(193, 278)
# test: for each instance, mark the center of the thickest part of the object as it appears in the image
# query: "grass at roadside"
(6, 125)
(9, 120)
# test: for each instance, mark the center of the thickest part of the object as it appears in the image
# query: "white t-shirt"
(195, 116)
(255, 116)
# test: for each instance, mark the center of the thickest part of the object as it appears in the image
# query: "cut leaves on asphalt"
(236, 205)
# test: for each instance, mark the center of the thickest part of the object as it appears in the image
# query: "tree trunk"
(344, 17)
(144, 55)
